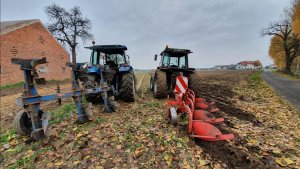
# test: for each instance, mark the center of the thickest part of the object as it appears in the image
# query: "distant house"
(224, 67)
(272, 66)
(30, 39)
(245, 65)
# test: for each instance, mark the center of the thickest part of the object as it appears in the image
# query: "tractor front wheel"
(160, 85)
(194, 83)
(128, 91)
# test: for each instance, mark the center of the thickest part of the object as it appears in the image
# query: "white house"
(224, 67)
(245, 65)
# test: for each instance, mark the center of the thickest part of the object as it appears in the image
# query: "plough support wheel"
(174, 117)
(22, 123)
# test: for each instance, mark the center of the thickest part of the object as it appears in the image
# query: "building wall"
(32, 41)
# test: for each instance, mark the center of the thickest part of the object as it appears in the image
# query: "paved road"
(288, 88)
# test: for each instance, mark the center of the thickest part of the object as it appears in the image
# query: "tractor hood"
(125, 68)
(93, 70)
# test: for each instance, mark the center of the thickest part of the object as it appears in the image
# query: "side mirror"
(155, 57)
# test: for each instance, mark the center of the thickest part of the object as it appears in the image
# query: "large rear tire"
(92, 82)
(128, 91)
(194, 83)
(160, 85)
(151, 83)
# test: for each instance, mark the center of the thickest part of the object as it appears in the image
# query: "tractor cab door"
(183, 62)
(95, 60)
(165, 59)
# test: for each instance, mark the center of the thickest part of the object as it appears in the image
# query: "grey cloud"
(218, 31)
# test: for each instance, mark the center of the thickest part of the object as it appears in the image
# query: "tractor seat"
(28, 63)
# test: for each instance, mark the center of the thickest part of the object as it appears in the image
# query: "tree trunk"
(288, 60)
(288, 64)
(73, 50)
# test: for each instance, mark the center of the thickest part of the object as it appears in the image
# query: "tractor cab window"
(174, 61)
(165, 61)
(95, 58)
(182, 63)
(115, 59)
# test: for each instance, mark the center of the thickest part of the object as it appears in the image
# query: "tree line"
(285, 43)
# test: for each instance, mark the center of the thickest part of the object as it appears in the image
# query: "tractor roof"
(107, 47)
(176, 50)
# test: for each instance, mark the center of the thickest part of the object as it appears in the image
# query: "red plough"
(200, 113)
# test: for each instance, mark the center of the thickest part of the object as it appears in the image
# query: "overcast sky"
(217, 31)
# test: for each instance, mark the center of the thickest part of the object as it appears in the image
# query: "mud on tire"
(194, 83)
(128, 91)
(160, 85)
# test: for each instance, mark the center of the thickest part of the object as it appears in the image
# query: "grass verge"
(255, 79)
(15, 85)
(20, 84)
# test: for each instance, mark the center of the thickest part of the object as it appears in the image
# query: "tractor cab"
(174, 59)
(110, 64)
(112, 55)
(174, 63)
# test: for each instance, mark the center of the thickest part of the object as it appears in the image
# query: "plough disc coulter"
(200, 115)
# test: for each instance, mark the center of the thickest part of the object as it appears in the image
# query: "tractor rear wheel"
(151, 83)
(194, 83)
(92, 82)
(22, 123)
(128, 91)
(160, 85)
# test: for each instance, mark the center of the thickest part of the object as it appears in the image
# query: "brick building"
(30, 39)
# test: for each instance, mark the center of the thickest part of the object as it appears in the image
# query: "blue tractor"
(109, 68)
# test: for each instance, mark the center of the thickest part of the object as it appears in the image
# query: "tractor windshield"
(174, 60)
(116, 58)
(113, 59)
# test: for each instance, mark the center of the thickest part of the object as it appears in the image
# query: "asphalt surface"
(287, 88)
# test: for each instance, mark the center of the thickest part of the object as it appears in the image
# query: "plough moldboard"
(199, 111)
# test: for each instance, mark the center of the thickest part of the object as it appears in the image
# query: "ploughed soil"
(138, 135)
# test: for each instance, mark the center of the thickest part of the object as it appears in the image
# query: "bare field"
(138, 135)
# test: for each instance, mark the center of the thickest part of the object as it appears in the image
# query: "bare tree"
(290, 41)
(68, 26)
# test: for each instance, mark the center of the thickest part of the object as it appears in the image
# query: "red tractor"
(173, 62)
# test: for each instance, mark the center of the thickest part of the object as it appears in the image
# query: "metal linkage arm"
(22, 101)
(28, 63)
